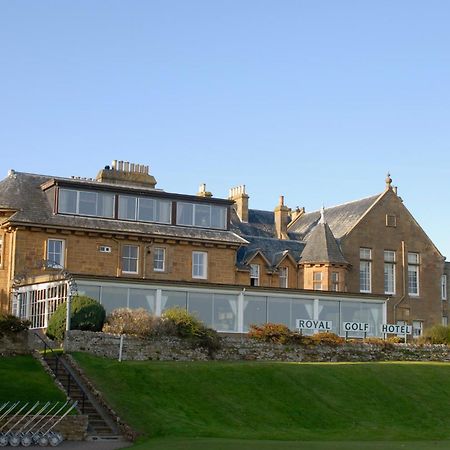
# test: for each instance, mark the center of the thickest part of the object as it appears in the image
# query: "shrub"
(181, 323)
(137, 322)
(438, 334)
(326, 338)
(86, 314)
(271, 332)
(186, 324)
(11, 325)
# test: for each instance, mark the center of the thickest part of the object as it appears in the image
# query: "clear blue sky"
(315, 100)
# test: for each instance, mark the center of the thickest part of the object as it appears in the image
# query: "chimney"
(202, 192)
(281, 216)
(297, 213)
(127, 174)
(240, 198)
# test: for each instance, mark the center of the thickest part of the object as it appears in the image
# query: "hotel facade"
(119, 239)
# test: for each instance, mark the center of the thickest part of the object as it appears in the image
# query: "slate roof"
(22, 192)
(308, 241)
(274, 250)
(341, 219)
(322, 247)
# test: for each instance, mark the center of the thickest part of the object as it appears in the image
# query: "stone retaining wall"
(242, 348)
(14, 344)
(73, 428)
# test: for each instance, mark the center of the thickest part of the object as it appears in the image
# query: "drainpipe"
(404, 276)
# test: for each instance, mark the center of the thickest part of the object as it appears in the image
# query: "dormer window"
(254, 274)
(202, 215)
(144, 209)
(86, 203)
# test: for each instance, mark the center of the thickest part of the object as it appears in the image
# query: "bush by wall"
(86, 314)
(135, 322)
(438, 334)
(185, 325)
(10, 325)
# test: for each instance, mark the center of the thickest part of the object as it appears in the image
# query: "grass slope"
(23, 378)
(278, 401)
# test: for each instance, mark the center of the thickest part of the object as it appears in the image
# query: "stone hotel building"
(126, 243)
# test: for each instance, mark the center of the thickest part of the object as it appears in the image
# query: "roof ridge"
(343, 204)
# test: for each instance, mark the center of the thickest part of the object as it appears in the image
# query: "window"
(55, 252)
(335, 281)
(389, 272)
(391, 220)
(202, 215)
(144, 209)
(401, 323)
(283, 277)
(130, 257)
(159, 259)
(445, 321)
(254, 274)
(199, 265)
(1, 251)
(86, 203)
(417, 328)
(365, 270)
(413, 273)
(317, 281)
(443, 286)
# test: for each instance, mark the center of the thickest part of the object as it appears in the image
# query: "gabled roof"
(23, 193)
(273, 250)
(341, 219)
(321, 247)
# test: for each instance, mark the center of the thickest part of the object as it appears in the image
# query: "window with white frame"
(159, 259)
(401, 323)
(55, 252)
(417, 328)
(389, 272)
(144, 209)
(444, 287)
(202, 215)
(254, 274)
(200, 265)
(130, 258)
(317, 281)
(365, 270)
(445, 321)
(86, 203)
(335, 281)
(283, 277)
(413, 273)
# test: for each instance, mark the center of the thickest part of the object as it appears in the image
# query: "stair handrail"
(70, 377)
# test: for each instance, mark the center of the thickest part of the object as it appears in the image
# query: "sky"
(313, 100)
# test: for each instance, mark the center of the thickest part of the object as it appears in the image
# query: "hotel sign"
(315, 325)
(396, 329)
(356, 326)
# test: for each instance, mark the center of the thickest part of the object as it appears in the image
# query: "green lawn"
(23, 378)
(278, 402)
(237, 444)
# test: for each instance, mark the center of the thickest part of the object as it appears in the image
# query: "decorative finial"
(322, 215)
(388, 181)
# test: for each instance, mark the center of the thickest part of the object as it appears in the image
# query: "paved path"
(89, 445)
